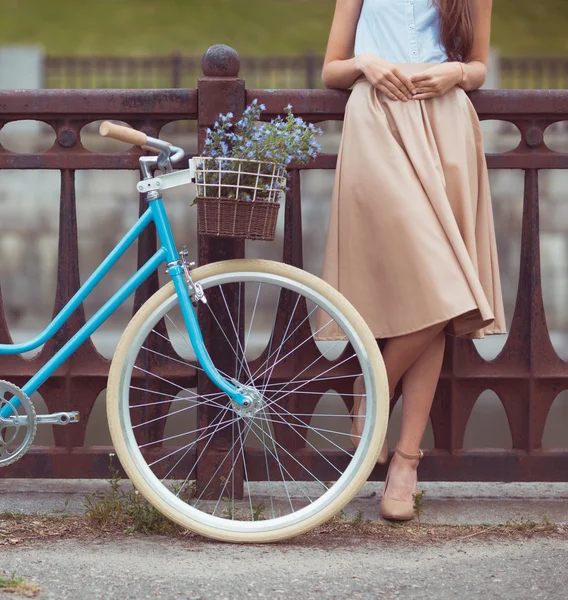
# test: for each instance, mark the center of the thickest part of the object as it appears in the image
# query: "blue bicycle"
(272, 404)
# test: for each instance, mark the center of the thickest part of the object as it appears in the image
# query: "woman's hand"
(436, 80)
(386, 77)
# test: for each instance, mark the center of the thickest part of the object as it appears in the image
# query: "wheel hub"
(255, 402)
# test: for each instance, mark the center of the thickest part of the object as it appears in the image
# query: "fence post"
(176, 69)
(493, 80)
(220, 91)
(311, 68)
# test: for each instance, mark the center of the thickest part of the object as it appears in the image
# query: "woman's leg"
(418, 388)
(399, 354)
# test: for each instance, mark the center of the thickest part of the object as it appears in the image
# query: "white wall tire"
(377, 411)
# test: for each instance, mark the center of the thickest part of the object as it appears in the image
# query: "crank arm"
(60, 418)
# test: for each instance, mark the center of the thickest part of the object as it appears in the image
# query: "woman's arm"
(475, 70)
(341, 69)
(439, 79)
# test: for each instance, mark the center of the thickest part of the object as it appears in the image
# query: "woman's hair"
(456, 28)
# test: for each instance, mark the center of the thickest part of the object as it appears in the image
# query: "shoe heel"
(397, 510)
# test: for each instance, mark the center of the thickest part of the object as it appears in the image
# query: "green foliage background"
(253, 27)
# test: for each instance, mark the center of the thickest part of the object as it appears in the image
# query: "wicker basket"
(238, 198)
(227, 217)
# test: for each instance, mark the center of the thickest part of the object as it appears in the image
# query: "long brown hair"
(456, 28)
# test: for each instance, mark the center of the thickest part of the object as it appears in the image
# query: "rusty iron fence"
(527, 375)
(285, 72)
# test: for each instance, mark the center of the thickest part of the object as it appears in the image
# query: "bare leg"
(418, 388)
(399, 354)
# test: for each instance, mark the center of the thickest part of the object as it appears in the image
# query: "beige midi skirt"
(411, 239)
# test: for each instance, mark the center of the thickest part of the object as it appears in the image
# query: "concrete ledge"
(445, 502)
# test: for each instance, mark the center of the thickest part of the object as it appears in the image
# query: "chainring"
(18, 429)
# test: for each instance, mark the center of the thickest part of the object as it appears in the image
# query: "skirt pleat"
(411, 239)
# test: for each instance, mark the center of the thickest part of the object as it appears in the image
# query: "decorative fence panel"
(527, 375)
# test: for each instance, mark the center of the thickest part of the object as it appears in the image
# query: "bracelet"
(461, 67)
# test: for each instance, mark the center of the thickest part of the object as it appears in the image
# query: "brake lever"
(164, 161)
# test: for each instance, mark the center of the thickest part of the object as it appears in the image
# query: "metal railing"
(527, 375)
(293, 72)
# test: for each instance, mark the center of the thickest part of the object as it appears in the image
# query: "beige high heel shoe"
(358, 422)
(398, 510)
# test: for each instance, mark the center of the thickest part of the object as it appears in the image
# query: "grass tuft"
(19, 587)
(125, 508)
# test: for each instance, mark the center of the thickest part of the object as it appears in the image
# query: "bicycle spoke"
(316, 430)
(191, 444)
(285, 469)
(309, 443)
(242, 361)
(174, 399)
(193, 365)
(308, 381)
(221, 417)
(259, 467)
(284, 338)
(311, 427)
(295, 459)
(268, 468)
(245, 469)
(305, 342)
(218, 468)
(269, 375)
(318, 379)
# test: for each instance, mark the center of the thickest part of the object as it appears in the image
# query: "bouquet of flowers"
(242, 173)
(247, 161)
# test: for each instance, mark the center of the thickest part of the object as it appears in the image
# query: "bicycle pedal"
(60, 418)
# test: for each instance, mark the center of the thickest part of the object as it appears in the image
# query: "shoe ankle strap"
(409, 456)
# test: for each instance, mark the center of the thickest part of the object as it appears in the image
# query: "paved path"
(346, 568)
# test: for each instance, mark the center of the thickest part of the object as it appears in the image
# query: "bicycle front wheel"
(280, 467)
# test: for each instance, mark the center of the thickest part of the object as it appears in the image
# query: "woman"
(411, 240)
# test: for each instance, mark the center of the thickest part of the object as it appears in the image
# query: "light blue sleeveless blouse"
(400, 31)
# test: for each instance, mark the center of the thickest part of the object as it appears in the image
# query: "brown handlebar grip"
(123, 134)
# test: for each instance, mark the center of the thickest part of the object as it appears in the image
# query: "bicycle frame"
(166, 253)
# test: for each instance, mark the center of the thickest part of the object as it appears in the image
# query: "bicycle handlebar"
(167, 151)
(123, 134)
